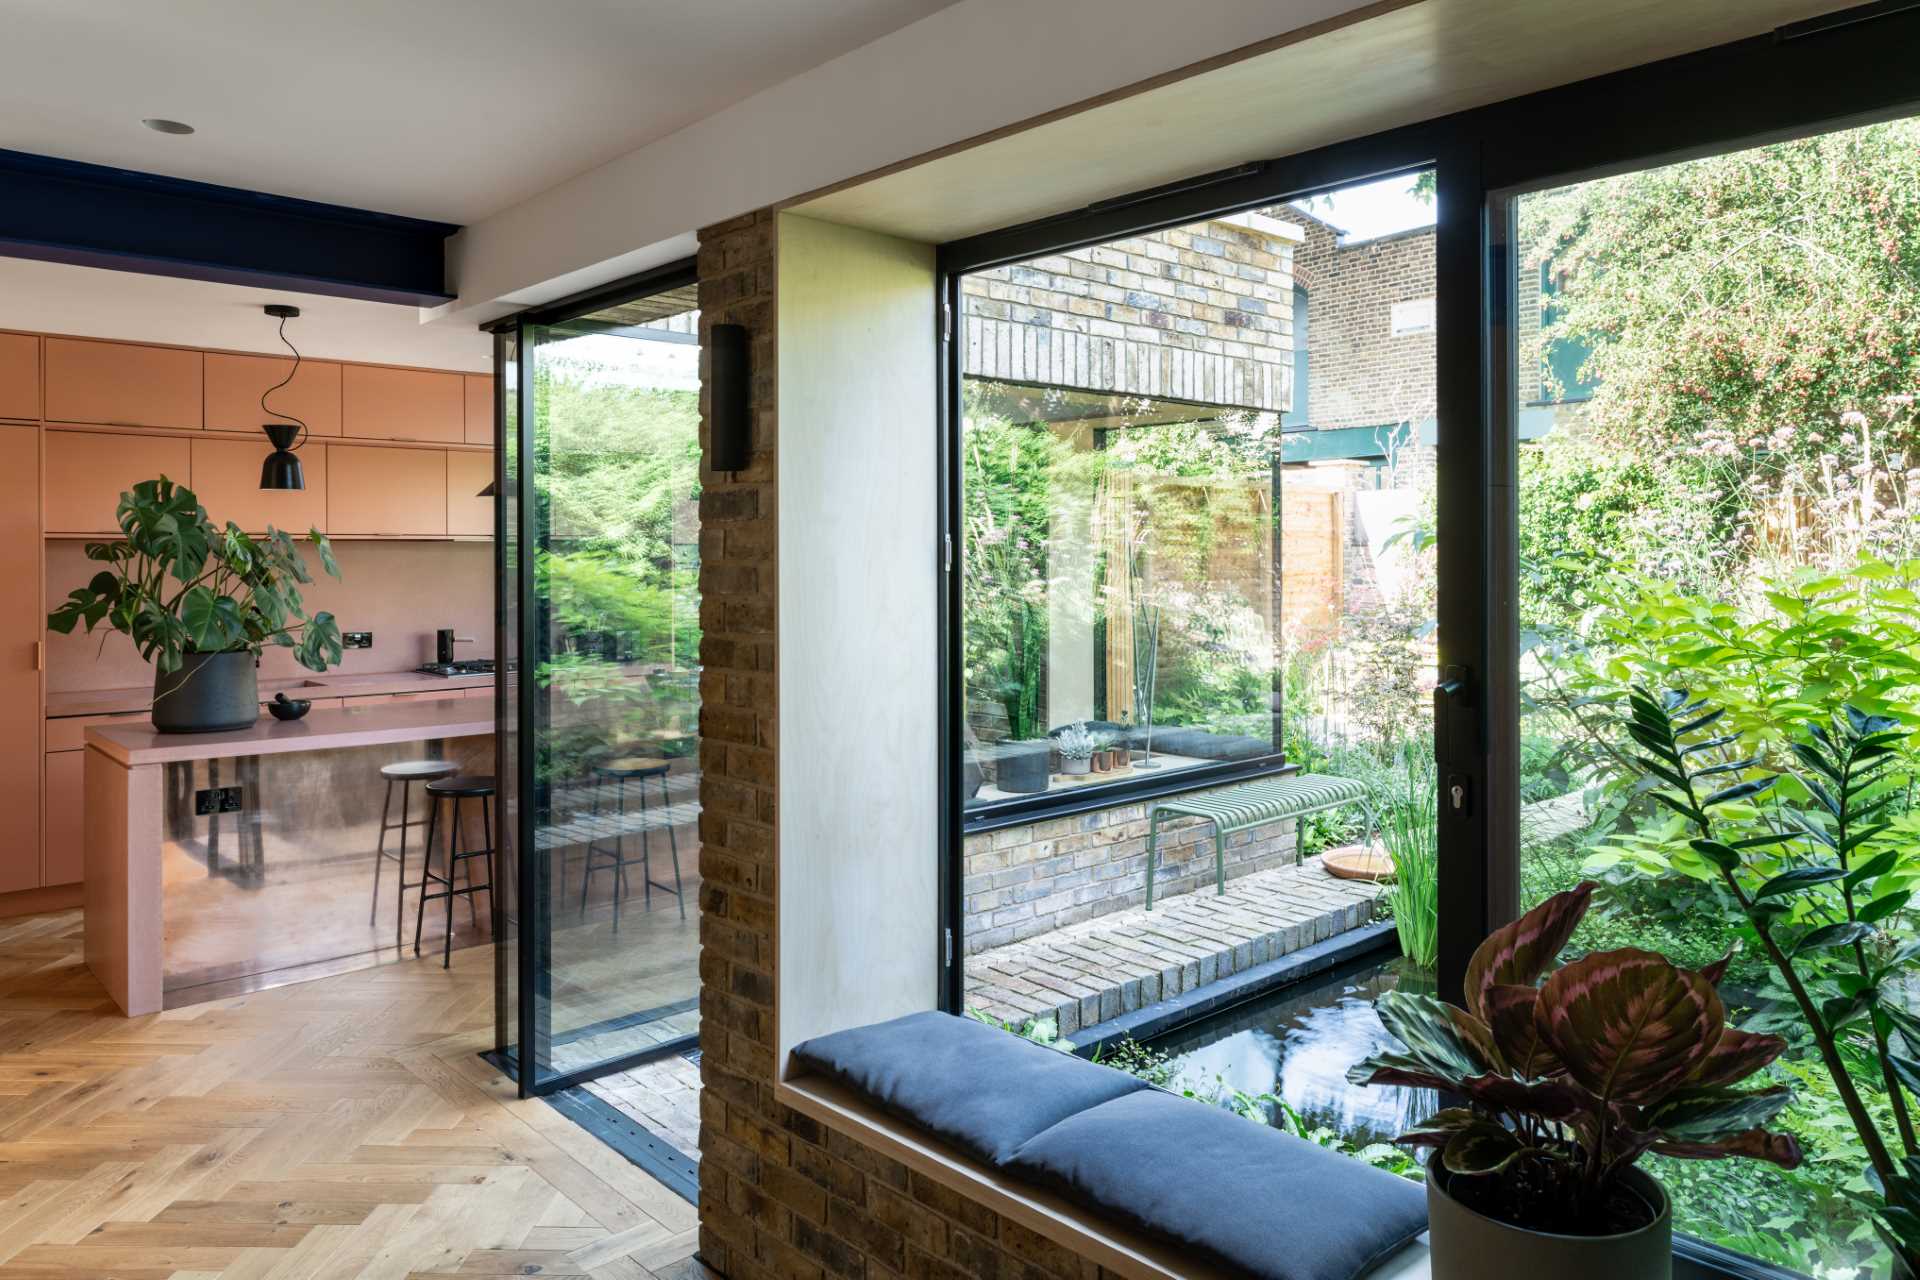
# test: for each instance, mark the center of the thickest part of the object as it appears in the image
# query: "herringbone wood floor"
(340, 1128)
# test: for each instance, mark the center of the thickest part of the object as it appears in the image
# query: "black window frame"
(1460, 390)
(1838, 71)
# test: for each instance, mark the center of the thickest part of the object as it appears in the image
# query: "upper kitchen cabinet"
(19, 376)
(479, 408)
(235, 384)
(379, 403)
(88, 471)
(122, 384)
(390, 493)
(226, 476)
(468, 514)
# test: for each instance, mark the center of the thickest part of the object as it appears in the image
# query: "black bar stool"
(406, 773)
(454, 864)
(611, 851)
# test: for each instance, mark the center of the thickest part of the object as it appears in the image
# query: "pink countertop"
(134, 744)
(100, 702)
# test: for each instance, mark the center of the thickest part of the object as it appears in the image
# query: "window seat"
(1143, 1182)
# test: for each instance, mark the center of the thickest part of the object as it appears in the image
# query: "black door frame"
(521, 1020)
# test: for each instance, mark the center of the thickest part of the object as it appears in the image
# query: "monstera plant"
(1565, 1083)
(200, 602)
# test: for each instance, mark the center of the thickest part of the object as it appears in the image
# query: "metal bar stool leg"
(400, 894)
(453, 860)
(646, 853)
(486, 833)
(426, 870)
(380, 852)
(673, 846)
(620, 851)
(593, 845)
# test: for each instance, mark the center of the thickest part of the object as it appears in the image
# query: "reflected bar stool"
(455, 877)
(610, 850)
(406, 773)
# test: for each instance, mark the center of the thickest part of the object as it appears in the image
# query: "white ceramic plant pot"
(1075, 766)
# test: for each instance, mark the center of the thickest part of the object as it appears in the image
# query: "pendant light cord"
(283, 382)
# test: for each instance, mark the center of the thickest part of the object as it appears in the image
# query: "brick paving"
(1099, 969)
(663, 1095)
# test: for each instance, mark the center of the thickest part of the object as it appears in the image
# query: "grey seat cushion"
(1204, 744)
(1244, 1196)
(980, 1088)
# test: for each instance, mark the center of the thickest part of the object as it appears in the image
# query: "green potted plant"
(1565, 1085)
(1076, 749)
(1819, 886)
(200, 603)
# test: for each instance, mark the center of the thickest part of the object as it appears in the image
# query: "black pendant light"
(281, 470)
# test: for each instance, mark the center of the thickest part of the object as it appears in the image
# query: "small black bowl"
(285, 708)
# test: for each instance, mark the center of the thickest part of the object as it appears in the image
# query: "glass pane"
(615, 680)
(506, 971)
(1196, 492)
(1731, 512)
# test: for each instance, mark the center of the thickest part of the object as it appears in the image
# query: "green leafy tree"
(1744, 301)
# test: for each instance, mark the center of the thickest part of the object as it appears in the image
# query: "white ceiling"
(447, 109)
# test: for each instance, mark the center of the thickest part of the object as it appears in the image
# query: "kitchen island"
(184, 905)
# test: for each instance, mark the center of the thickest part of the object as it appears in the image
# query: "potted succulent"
(1565, 1085)
(1076, 749)
(200, 603)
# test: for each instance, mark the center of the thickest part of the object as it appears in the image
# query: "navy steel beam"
(91, 215)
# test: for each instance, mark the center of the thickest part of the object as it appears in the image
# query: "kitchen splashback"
(401, 591)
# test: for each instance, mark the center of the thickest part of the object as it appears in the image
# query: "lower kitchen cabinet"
(65, 859)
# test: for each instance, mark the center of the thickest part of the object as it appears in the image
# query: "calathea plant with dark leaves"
(1817, 888)
(1569, 1081)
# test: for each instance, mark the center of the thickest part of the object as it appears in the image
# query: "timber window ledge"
(1114, 1248)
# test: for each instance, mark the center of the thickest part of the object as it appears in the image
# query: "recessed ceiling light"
(159, 125)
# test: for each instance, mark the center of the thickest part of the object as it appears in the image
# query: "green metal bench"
(1255, 805)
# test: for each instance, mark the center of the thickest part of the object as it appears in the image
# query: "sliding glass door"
(602, 553)
(1717, 505)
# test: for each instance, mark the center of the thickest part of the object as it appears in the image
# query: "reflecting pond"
(1297, 1044)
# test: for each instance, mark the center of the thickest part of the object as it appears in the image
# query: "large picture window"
(1195, 492)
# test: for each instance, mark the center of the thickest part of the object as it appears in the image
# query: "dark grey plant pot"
(1021, 766)
(209, 692)
(1470, 1246)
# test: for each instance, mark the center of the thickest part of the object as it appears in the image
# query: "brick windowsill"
(1117, 1251)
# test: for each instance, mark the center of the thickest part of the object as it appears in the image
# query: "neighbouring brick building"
(1370, 331)
(1201, 313)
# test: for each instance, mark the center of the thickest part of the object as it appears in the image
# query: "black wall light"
(730, 432)
(281, 470)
